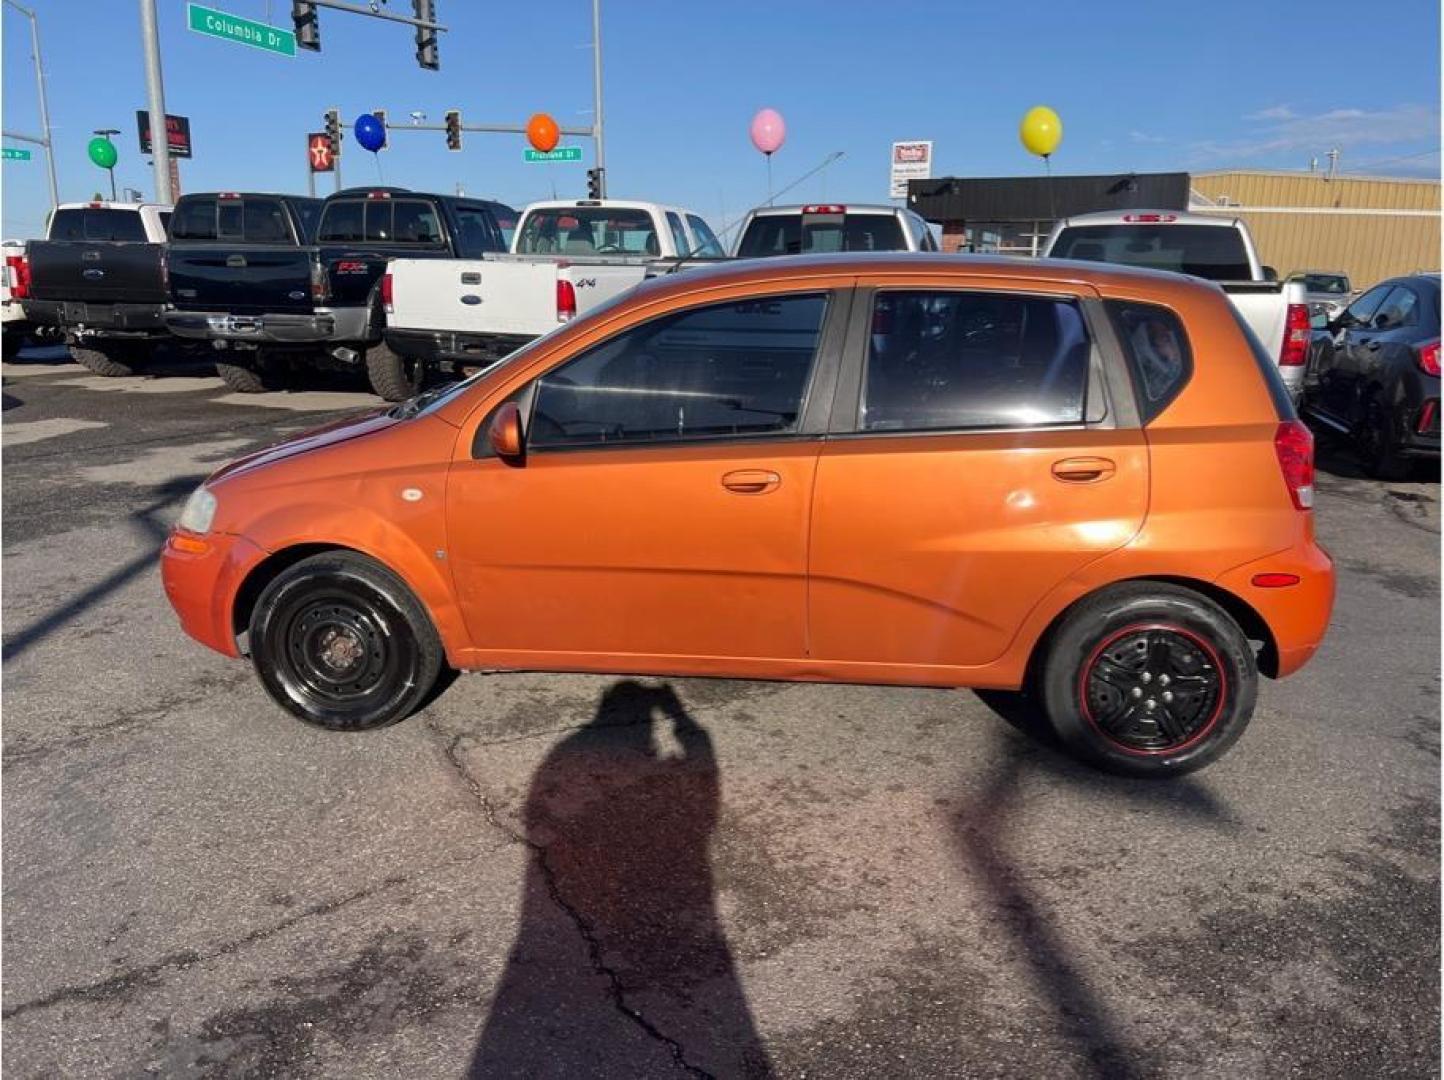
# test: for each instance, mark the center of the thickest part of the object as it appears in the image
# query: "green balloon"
(102, 152)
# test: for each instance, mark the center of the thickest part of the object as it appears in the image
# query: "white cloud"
(1274, 112)
(1144, 137)
(1345, 128)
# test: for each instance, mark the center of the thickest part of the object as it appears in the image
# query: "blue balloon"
(370, 132)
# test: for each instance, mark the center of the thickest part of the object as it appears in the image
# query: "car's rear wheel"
(340, 642)
(1378, 445)
(113, 361)
(1148, 679)
(392, 376)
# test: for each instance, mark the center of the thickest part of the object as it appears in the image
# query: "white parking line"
(305, 400)
(30, 431)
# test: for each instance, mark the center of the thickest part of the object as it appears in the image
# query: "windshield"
(588, 230)
(708, 246)
(1214, 252)
(1326, 283)
(805, 234)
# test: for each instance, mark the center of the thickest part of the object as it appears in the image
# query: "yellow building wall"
(1368, 247)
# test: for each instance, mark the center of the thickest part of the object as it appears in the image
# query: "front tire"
(113, 362)
(340, 642)
(392, 376)
(1148, 679)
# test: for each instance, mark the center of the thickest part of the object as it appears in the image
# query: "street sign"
(910, 161)
(561, 153)
(221, 24)
(177, 133)
(11, 153)
(318, 150)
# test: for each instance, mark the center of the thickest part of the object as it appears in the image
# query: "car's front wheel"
(1149, 679)
(341, 642)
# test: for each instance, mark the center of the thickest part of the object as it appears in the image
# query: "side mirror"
(504, 433)
(1269, 273)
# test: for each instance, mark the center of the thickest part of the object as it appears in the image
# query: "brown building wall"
(1368, 247)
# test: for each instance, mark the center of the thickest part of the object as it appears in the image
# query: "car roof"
(851, 208)
(1175, 217)
(897, 263)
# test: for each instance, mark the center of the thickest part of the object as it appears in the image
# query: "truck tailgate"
(1264, 306)
(242, 279)
(96, 272)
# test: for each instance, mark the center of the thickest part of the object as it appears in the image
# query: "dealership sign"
(910, 161)
(177, 133)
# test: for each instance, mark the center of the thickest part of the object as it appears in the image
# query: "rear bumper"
(201, 584)
(1297, 615)
(442, 346)
(318, 327)
(84, 318)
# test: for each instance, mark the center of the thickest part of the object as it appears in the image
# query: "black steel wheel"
(340, 642)
(1148, 679)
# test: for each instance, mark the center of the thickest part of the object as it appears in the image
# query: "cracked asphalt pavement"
(567, 876)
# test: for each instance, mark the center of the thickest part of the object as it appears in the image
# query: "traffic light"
(333, 131)
(453, 129)
(308, 29)
(426, 54)
(594, 183)
(380, 114)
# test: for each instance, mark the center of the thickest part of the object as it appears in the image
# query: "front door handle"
(1372, 346)
(1083, 470)
(751, 481)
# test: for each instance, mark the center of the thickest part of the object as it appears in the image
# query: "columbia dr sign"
(204, 20)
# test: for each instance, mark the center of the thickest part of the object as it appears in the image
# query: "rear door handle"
(751, 481)
(1083, 470)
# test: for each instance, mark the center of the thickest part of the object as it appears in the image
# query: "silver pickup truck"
(1216, 247)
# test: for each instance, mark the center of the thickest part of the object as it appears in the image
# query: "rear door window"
(1362, 309)
(341, 222)
(965, 360)
(1157, 350)
(725, 370)
(1398, 309)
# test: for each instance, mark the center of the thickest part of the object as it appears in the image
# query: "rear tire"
(340, 642)
(392, 376)
(248, 380)
(1148, 679)
(1378, 445)
(113, 361)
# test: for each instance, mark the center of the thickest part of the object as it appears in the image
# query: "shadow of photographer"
(620, 966)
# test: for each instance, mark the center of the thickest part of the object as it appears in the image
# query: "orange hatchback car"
(1081, 480)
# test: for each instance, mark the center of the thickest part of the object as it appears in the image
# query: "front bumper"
(446, 346)
(1297, 615)
(82, 319)
(201, 575)
(316, 328)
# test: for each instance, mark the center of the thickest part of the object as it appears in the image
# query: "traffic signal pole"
(597, 97)
(155, 91)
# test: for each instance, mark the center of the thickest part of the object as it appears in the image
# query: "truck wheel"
(11, 343)
(248, 380)
(393, 377)
(1148, 679)
(112, 361)
(339, 641)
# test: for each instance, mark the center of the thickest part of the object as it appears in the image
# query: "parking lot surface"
(551, 875)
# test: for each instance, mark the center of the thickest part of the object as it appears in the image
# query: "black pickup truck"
(96, 280)
(308, 293)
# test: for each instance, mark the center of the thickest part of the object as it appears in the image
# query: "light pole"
(106, 133)
(155, 91)
(44, 139)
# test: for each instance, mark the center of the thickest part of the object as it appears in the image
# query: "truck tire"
(247, 380)
(112, 361)
(11, 341)
(393, 377)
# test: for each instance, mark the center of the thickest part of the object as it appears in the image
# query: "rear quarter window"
(1158, 353)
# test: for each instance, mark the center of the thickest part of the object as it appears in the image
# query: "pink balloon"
(768, 130)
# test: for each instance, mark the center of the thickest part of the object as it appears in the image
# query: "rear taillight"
(1429, 359)
(1296, 336)
(566, 300)
(824, 208)
(320, 283)
(1150, 219)
(386, 293)
(1294, 445)
(19, 268)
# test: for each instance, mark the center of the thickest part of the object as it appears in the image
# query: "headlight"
(200, 511)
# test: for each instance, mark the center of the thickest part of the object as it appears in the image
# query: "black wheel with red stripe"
(1148, 679)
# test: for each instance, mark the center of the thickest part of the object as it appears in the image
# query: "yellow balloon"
(1041, 130)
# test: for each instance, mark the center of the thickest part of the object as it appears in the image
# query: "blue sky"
(1139, 86)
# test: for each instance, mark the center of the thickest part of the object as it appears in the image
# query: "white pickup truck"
(1216, 247)
(566, 258)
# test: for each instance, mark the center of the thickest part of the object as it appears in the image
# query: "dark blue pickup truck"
(277, 280)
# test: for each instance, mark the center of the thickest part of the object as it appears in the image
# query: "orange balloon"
(542, 132)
